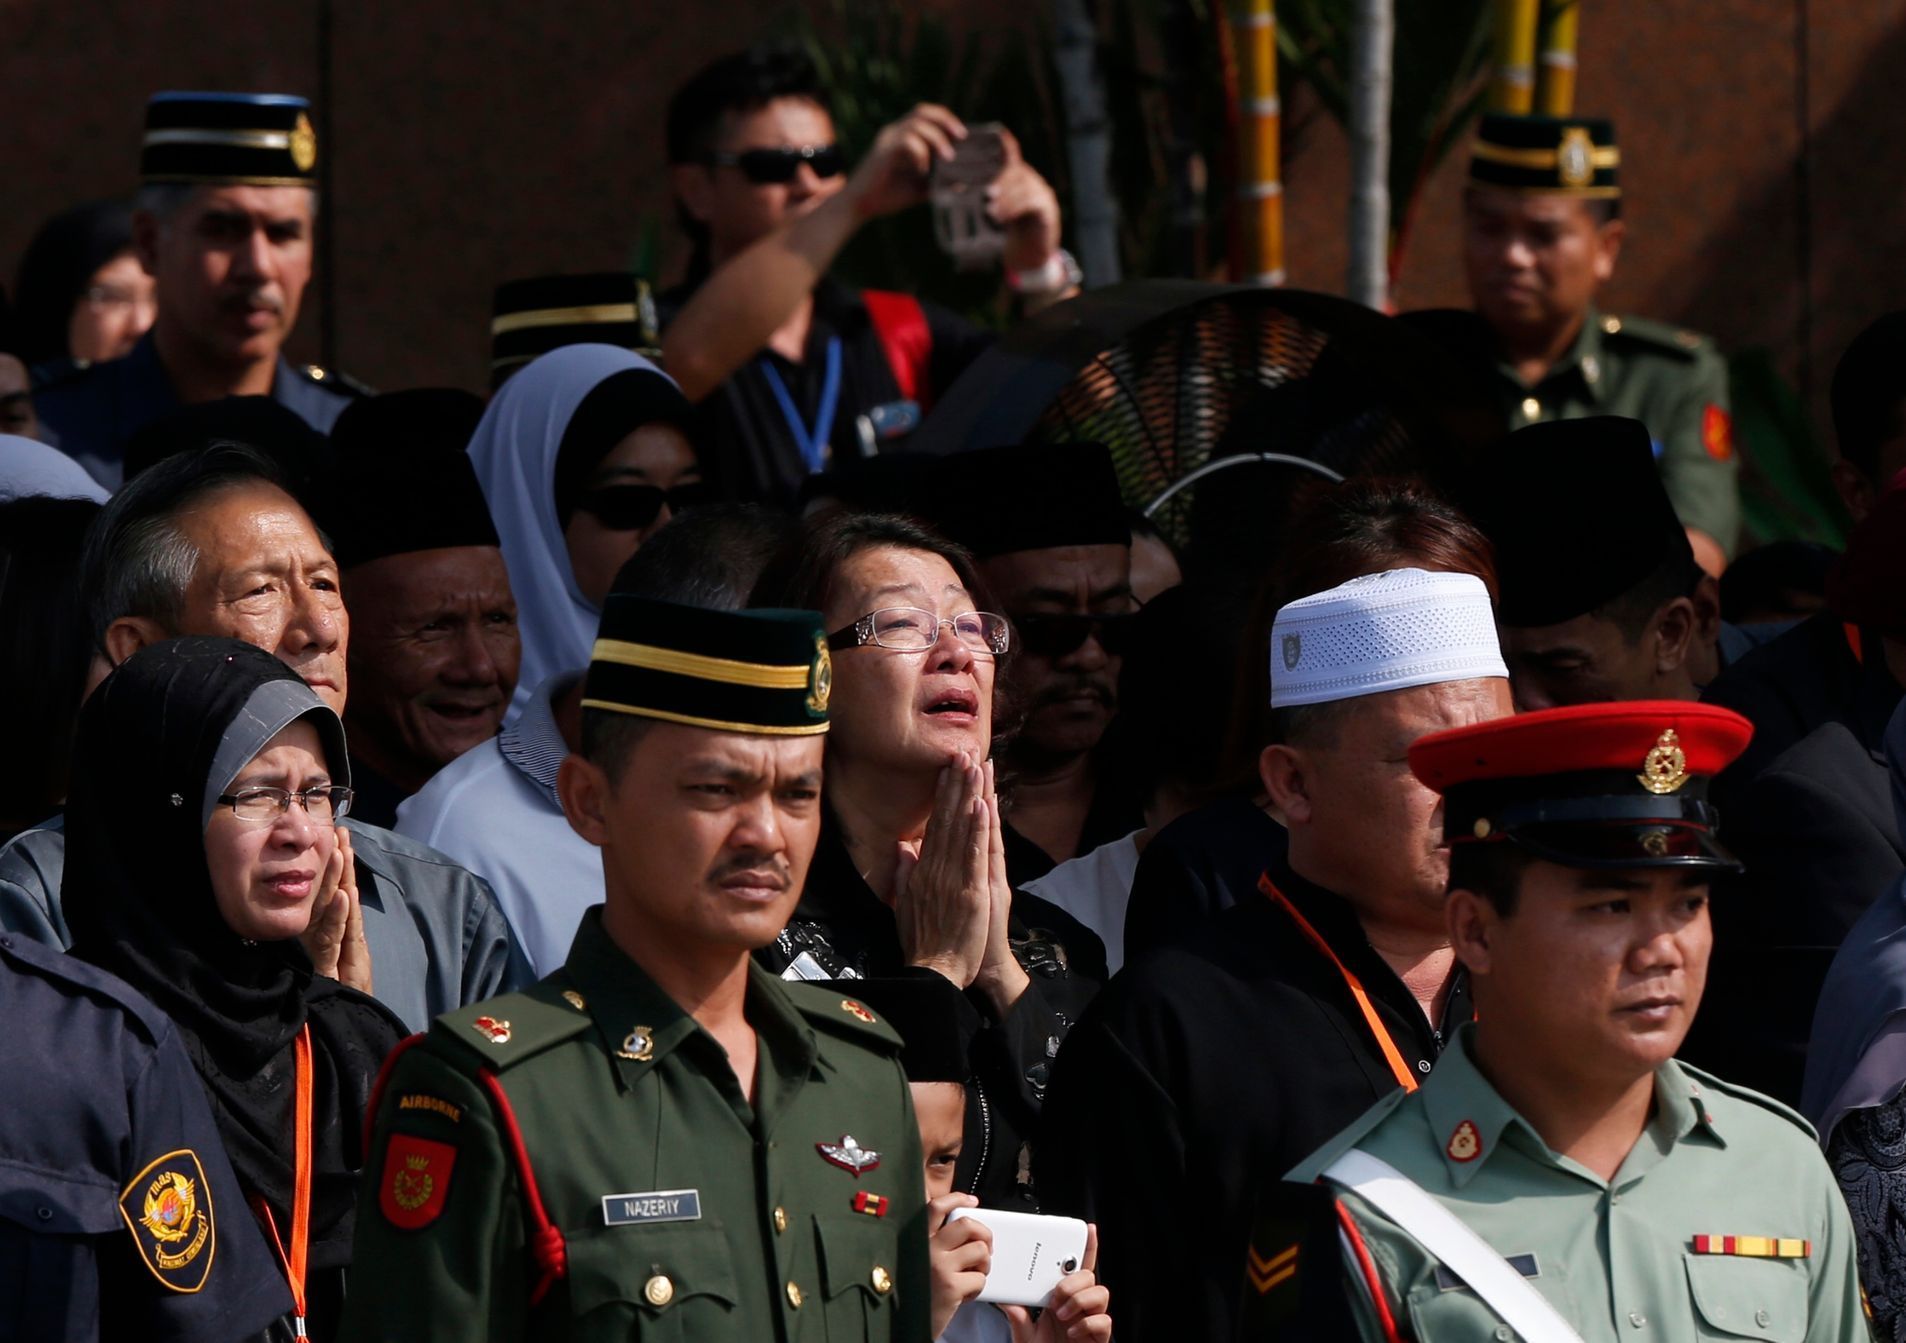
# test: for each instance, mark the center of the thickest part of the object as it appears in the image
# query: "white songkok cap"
(1387, 631)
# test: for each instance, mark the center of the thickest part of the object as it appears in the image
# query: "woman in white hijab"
(583, 455)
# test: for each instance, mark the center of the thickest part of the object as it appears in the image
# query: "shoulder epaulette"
(57, 967)
(1657, 335)
(1748, 1094)
(503, 1032)
(1314, 1165)
(332, 379)
(833, 1007)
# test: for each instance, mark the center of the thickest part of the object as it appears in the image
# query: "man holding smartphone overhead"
(792, 369)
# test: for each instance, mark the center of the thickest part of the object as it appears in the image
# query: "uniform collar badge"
(854, 1009)
(1465, 1144)
(497, 1032)
(849, 1155)
(638, 1045)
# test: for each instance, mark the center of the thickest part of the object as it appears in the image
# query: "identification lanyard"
(294, 1262)
(1391, 1054)
(813, 445)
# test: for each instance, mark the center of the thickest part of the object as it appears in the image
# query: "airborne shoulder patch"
(168, 1209)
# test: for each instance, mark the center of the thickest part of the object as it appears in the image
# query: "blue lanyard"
(813, 446)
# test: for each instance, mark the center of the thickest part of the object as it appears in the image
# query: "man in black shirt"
(1224, 1058)
(792, 369)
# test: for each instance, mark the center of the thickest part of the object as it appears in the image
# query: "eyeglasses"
(259, 806)
(908, 629)
(778, 167)
(629, 508)
(1055, 636)
(104, 297)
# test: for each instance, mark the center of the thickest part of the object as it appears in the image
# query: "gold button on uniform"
(794, 1296)
(780, 1220)
(1531, 408)
(882, 1280)
(659, 1290)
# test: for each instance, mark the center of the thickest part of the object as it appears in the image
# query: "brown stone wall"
(471, 142)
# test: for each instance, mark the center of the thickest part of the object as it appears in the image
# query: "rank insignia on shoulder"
(638, 1045)
(849, 1155)
(416, 1181)
(498, 1032)
(1755, 1247)
(854, 1009)
(874, 1205)
(1268, 1271)
(1465, 1144)
(168, 1209)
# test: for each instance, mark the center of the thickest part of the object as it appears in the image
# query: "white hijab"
(29, 467)
(514, 452)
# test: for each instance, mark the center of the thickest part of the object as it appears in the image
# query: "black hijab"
(138, 896)
(615, 408)
(56, 268)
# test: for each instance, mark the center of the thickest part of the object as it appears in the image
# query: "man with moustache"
(223, 222)
(1560, 1175)
(434, 647)
(661, 1138)
(1239, 1048)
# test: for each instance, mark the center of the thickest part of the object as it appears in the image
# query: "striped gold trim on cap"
(702, 668)
(582, 315)
(1605, 156)
(713, 724)
(200, 135)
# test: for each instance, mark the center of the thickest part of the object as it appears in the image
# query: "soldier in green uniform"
(661, 1139)
(1560, 1175)
(1542, 231)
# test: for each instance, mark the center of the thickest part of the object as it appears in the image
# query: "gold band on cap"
(194, 135)
(714, 724)
(582, 315)
(702, 668)
(1603, 156)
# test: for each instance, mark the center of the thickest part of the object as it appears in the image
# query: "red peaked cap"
(1616, 785)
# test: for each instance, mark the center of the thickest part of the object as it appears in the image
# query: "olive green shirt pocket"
(860, 1262)
(668, 1282)
(1737, 1297)
(1458, 1315)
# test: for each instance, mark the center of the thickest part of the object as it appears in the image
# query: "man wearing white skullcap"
(1208, 1069)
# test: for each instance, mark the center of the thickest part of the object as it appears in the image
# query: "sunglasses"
(778, 167)
(1057, 636)
(629, 508)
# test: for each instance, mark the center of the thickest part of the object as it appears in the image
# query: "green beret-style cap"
(763, 672)
(1562, 156)
(231, 139)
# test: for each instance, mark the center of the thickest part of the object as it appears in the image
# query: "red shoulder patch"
(416, 1181)
(1717, 433)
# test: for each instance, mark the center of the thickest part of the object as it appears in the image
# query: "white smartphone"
(1031, 1253)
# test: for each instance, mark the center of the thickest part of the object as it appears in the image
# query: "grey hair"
(137, 560)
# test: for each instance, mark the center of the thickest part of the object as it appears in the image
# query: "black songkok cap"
(763, 672)
(405, 483)
(936, 1023)
(532, 317)
(245, 139)
(1558, 156)
(996, 501)
(1578, 516)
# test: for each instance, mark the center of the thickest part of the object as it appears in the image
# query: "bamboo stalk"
(1370, 91)
(1513, 88)
(1260, 168)
(1555, 93)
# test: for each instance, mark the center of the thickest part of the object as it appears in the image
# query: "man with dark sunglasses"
(792, 370)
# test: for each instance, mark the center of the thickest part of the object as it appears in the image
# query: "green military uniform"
(1614, 1257)
(685, 1211)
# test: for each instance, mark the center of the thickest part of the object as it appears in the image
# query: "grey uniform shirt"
(438, 941)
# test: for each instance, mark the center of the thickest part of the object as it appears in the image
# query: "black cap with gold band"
(238, 139)
(765, 672)
(1559, 156)
(534, 316)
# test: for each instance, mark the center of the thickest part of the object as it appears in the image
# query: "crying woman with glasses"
(911, 873)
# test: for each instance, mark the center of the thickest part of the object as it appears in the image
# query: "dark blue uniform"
(90, 413)
(119, 1213)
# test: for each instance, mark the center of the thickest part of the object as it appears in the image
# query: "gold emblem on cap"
(821, 685)
(1666, 768)
(1655, 843)
(1482, 828)
(1575, 159)
(304, 144)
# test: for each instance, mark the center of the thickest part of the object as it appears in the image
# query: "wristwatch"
(1060, 273)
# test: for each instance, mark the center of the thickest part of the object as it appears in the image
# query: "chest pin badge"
(849, 1155)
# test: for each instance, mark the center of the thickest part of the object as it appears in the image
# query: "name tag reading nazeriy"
(664, 1205)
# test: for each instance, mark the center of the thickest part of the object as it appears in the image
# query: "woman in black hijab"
(191, 875)
(81, 294)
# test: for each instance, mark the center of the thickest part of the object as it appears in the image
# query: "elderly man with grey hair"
(224, 223)
(211, 542)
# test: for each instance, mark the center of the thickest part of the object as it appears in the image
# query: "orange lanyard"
(1854, 642)
(294, 1263)
(1391, 1054)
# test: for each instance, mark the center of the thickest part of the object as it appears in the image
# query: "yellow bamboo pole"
(1555, 93)
(1513, 89)
(1260, 166)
